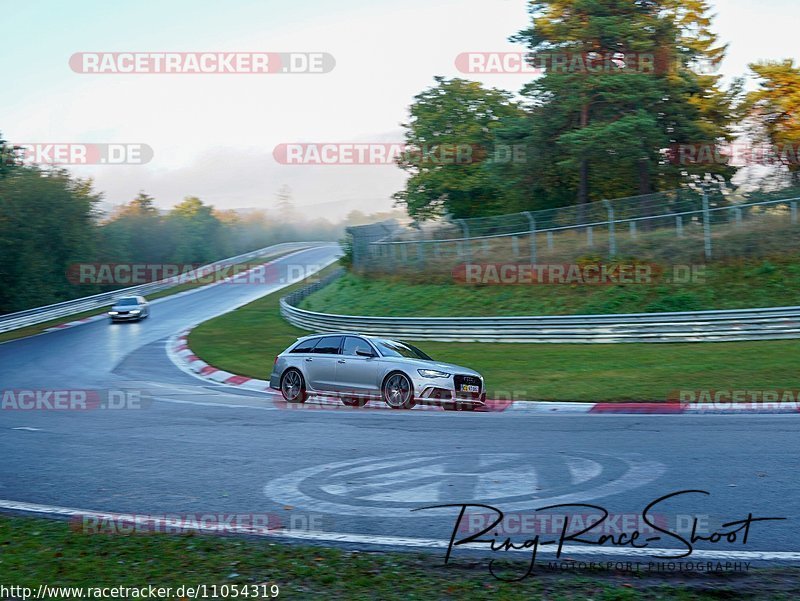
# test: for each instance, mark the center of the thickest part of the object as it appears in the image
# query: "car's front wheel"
(398, 392)
(293, 387)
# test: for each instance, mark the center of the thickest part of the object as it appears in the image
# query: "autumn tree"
(775, 106)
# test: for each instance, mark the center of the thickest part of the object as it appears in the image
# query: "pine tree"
(603, 133)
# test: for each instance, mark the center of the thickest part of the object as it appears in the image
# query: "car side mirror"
(362, 353)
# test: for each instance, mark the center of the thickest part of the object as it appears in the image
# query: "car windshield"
(392, 348)
(127, 301)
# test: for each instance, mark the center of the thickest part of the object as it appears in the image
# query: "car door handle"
(309, 359)
(341, 361)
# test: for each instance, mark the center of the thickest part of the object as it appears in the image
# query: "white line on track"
(390, 541)
(212, 404)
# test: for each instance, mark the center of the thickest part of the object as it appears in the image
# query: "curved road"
(351, 477)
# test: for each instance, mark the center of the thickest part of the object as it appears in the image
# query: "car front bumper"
(448, 390)
(125, 317)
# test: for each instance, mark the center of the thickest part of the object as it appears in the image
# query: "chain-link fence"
(678, 226)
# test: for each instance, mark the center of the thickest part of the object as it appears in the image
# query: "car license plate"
(470, 388)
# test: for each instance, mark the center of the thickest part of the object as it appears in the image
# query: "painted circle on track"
(393, 485)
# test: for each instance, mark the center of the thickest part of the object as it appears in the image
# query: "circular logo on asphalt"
(393, 485)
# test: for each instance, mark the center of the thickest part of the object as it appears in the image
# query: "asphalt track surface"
(352, 477)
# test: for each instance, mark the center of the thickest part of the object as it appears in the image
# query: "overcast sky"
(213, 135)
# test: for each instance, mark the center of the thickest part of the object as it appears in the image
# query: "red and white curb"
(180, 353)
(183, 357)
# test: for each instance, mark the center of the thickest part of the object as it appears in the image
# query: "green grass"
(37, 551)
(727, 285)
(41, 327)
(623, 372)
(246, 341)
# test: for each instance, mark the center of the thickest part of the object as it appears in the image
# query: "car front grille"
(460, 379)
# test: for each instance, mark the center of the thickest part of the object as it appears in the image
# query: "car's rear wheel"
(398, 392)
(293, 387)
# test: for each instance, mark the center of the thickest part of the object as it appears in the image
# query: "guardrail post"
(466, 250)
(549, 240)
(737, 214)
(706, 226)
(515, 246)
(532, 233)
(612, 237)
(679, 225)
(794, 213)
(421, 252)
(589, 236)
(633, 230)
(485, 246)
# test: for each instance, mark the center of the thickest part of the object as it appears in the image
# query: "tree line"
(50, 220)
(579, 135)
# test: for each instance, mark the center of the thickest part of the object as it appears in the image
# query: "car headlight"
(135, 311)
(113, 313)
(432, 373)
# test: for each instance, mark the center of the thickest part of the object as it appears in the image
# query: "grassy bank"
(247, 340)
(36, 552)
(722, 285)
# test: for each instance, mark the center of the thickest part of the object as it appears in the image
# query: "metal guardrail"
(697, 326)
(13, 321)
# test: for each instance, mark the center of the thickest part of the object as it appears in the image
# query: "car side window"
(329, 345)
(353, 344)
(307, 346)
